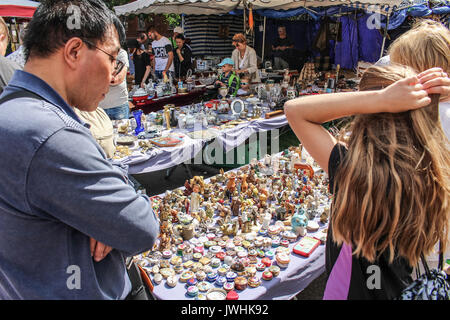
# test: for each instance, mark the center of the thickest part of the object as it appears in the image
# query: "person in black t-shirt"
(281, 48)
(142, 65)
(183, 57)
(389, 178)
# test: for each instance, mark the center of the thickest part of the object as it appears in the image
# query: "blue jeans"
(119, 112)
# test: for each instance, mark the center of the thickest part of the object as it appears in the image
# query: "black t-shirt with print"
(394, 277)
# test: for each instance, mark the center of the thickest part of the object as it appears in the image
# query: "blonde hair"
(393, 193)
(425, 46)
(4, 29)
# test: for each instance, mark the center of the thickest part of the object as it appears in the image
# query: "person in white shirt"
(244, 57)
(115, 103)
(18, 56)
(163, 51)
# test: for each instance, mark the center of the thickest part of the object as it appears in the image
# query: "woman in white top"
(244, 58)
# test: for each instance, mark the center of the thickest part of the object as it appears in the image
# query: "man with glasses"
(69, 218)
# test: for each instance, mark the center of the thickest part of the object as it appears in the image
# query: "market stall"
(18, 8)
(256, 232)
(377, 11)
(17, 14)
(215, 126)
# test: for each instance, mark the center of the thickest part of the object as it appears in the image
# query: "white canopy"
(225, 6)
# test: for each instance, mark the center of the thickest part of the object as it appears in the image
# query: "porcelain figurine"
(299, 222)
(231, 184)
(266, 221)
(195, 199)
(198, 181)
(290, 208)
(244, 184)
(235, 206)
(280, 213)
(324, 215)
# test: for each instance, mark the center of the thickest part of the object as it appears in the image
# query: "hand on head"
(413, 92)
(435, 81)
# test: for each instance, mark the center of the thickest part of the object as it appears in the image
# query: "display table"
(160, 158)
(164, 158)
(290, 280)
(157, 104)
(227, 136)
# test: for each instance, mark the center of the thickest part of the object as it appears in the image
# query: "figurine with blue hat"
(228, 78)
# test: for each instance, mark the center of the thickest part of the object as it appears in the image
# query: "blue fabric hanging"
(441, 10)
(369, 41)
(346, 52)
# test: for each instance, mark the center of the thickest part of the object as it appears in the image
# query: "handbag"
(142, 287)
(431, 285)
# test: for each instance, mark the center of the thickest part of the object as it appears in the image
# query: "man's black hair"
(142, 35)
(180, 36)
(133, 44)
(57, 21)
(150, 28)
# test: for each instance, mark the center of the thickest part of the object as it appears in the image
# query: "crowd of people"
(67, 210)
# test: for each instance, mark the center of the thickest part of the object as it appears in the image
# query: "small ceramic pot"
(215, 262)
(232, 295)
(172, 281)
(231, 276)
(167, 254)
(282, 260)
(197, 256)
(203, 286)
(157, 278)
(192, 291)
(240, 283)
(275, 270)
(216, 294)
(185, 276)
(222, 271)
(260, 266)
(228, 286)
(211, 277)
(254, 282)
(200, 275)
(220, 281)
(192, 282)
(267, 275)
(221, 255)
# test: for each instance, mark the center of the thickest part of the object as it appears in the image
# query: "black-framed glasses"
(118, 64)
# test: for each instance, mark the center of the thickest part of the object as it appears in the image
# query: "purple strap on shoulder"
(338, 283)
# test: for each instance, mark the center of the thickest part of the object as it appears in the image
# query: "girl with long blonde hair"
(389, 177)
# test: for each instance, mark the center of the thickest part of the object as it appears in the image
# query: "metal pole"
(385, 35)
(245, 20)
(264, 40)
